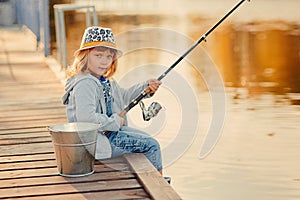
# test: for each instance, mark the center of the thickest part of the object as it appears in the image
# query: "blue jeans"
(130, 140)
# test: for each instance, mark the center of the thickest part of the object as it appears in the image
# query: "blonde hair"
(79, 65)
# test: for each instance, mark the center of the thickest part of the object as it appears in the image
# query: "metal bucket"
(74, 145)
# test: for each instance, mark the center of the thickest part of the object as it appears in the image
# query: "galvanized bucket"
(74, 145)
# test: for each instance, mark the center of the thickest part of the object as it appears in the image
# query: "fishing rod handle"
(135, 101)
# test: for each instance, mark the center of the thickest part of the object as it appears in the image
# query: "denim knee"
(153, 144)
(124, 142)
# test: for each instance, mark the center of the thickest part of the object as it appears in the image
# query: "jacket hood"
(72, 82)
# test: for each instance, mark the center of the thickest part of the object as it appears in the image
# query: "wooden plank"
(127, 194)
(28, 116)
(30, 104)
(25, 140)
(47, 86)
(16, 161)
(22, 173)
(67, 188)
(13, 83)
(150, 178)
(37, 156)
(31, 110)
(56, 179)
(25, 91)
(30, 148)
(9, 133)
(28, 96)
(32, 164)
(17, 136)
(21, 130)
(26, 157)
(35, 123)
(50, 163)
(52, 171)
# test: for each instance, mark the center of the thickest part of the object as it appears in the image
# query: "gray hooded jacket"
(84, 100)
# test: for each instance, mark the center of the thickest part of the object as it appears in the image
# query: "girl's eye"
(109, 57)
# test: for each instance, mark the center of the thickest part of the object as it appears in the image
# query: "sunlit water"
(256, 156)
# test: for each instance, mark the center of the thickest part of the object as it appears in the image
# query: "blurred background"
(257, 53)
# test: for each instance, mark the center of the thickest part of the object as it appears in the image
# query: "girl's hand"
(153, 85)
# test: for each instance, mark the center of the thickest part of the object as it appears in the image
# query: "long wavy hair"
(79, 65)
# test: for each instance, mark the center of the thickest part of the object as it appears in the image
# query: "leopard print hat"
(98, 36)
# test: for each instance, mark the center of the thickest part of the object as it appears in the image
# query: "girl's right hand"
(153, 85)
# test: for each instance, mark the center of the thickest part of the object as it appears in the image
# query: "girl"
(93, 96)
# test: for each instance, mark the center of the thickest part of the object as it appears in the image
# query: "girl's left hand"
(153, 85)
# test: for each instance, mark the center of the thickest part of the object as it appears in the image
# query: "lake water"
(241, 85)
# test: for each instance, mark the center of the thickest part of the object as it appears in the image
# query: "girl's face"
(99, 61)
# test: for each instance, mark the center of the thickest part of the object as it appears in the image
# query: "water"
(257, 54)
(254, 159)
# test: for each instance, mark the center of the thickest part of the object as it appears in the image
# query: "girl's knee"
(153, 144)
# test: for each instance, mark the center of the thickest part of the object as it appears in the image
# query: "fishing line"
(154, 108)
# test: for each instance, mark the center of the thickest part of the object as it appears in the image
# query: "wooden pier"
(29, 102)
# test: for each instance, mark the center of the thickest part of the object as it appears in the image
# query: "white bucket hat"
(96, 36)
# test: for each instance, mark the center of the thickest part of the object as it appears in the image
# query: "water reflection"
(261, 56)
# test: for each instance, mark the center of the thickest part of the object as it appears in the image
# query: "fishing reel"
(151, 112)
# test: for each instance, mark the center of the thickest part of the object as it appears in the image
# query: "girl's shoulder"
(86, 79)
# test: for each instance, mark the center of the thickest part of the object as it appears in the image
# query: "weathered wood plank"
(50, 163)
(27, 165)
(28, 173)
(30, 116)
(16, 160)
(56, 179)
(90, 186)
(26, 157)
(49, 89)
(127, 194)
(17, 136)
(31, 130)
(46, 86)
(31, 82)
(30, 148)
(35, 123)
(25, 140)
(23, 157)
(52, 170)
(150, 178)
(26, 91)
(29, 104)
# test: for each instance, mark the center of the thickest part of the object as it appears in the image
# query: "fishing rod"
(155, 107)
